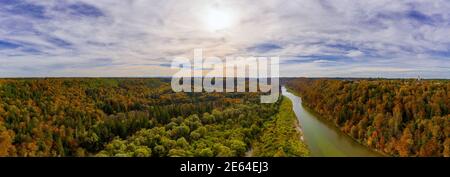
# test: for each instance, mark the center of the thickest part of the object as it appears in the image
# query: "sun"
(217, 19)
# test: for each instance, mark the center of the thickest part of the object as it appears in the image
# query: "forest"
(57, 117)
(276, 139)
(395, 117)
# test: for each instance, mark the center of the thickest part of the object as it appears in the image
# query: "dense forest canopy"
(279, 137)
(396, 117)
(144, 117)
(126, 117)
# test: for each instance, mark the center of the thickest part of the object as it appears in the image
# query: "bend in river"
(322, 137)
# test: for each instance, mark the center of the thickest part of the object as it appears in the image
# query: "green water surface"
(323, 138)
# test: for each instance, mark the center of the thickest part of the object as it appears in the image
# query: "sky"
(139, 38)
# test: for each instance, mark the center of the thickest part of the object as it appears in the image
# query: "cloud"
(140, 37)
(323, 61)
(355, 53)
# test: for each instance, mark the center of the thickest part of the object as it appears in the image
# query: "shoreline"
(326, 121)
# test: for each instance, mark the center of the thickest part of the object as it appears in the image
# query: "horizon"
(170, 77)
(138, 39)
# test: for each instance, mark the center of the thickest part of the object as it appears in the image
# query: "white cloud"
(323, 61)
(355, 53)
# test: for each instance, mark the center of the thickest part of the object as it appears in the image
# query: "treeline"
(396, 117)
(125, 117)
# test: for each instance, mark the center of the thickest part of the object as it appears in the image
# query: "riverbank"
(277, 138)
(324, 138)
(318, 116)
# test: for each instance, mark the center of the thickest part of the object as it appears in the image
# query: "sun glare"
(218, 19)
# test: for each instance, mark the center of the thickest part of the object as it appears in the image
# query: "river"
(322, 137)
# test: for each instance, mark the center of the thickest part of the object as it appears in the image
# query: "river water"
(322, 137)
